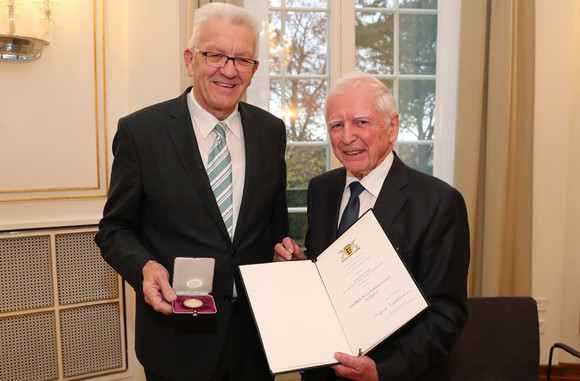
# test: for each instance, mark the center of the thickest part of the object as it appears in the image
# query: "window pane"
(302, 108)
(374, 3)
(276, 97)
(390, 84)
(298, 223)
(417, 112)
(418, 43)
(418, 156)
(417, 109)
(303, 163)
(374, 42)
(306, 42)
(296, 197)
(298, 46)
(276, 42)
(418, 4)
(307, 3)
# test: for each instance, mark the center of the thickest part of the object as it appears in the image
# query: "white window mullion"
(396, 72)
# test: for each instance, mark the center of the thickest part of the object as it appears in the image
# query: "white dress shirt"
(203, 124)
(373, 182)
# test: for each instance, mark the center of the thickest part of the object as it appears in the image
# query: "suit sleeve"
(119, 236)
(439, 260)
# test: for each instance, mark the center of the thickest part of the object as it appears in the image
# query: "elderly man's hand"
(288, 250)
(359, 368)
(156, 288)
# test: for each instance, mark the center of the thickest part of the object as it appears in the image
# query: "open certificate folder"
(353, 297)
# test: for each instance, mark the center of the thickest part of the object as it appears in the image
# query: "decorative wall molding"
(53, 133)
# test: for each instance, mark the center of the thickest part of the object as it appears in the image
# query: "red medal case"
(193, 279)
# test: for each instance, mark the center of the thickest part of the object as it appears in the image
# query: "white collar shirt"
(372, 182)
(203, 124)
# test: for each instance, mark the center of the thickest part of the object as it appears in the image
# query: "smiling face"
(218, 90)
(360, 135)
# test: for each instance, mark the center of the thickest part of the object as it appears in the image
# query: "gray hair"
(385, 103)
(227, 12)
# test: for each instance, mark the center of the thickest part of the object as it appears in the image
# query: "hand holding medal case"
(193, 282)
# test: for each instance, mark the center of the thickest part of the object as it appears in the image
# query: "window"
(397, 42)
(311, 43)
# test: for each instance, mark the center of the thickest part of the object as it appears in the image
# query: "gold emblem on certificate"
(193, 303)
(348, 250)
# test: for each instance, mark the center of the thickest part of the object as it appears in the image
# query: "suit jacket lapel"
(332, 205)
(324, 197)
(181, 131)
(392, 197)
(252, 146)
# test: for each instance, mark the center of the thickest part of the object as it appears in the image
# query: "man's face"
(361, 137)
(218, 90)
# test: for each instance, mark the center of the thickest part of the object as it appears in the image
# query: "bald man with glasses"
(202, 175)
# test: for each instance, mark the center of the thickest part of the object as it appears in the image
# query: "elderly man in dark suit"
(202, 175)
(424, 218)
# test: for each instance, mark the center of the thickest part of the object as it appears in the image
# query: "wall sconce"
(24, 28)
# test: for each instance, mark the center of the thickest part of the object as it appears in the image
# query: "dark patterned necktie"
(350, 214)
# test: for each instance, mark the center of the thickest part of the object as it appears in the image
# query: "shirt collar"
(373, 181)
(206, 122)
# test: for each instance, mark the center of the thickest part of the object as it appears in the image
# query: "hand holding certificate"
(353, 297)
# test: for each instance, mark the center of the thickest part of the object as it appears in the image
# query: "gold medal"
(193, 303)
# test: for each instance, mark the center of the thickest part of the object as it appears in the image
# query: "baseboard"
(561, 372)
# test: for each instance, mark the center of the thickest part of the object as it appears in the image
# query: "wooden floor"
(288, 377)
(561, 372)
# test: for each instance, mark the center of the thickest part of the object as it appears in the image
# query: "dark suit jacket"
(426, 221)
(161, 206)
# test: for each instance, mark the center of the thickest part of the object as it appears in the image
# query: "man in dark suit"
(424, 218)
(161, 204)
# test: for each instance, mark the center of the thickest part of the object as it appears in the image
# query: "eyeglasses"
(221, 60)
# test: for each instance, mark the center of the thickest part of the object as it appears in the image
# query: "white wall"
(58, 115)
(556, 207)
(52, 127)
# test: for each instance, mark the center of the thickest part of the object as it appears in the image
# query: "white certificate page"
(295, 318)
(372, 292)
